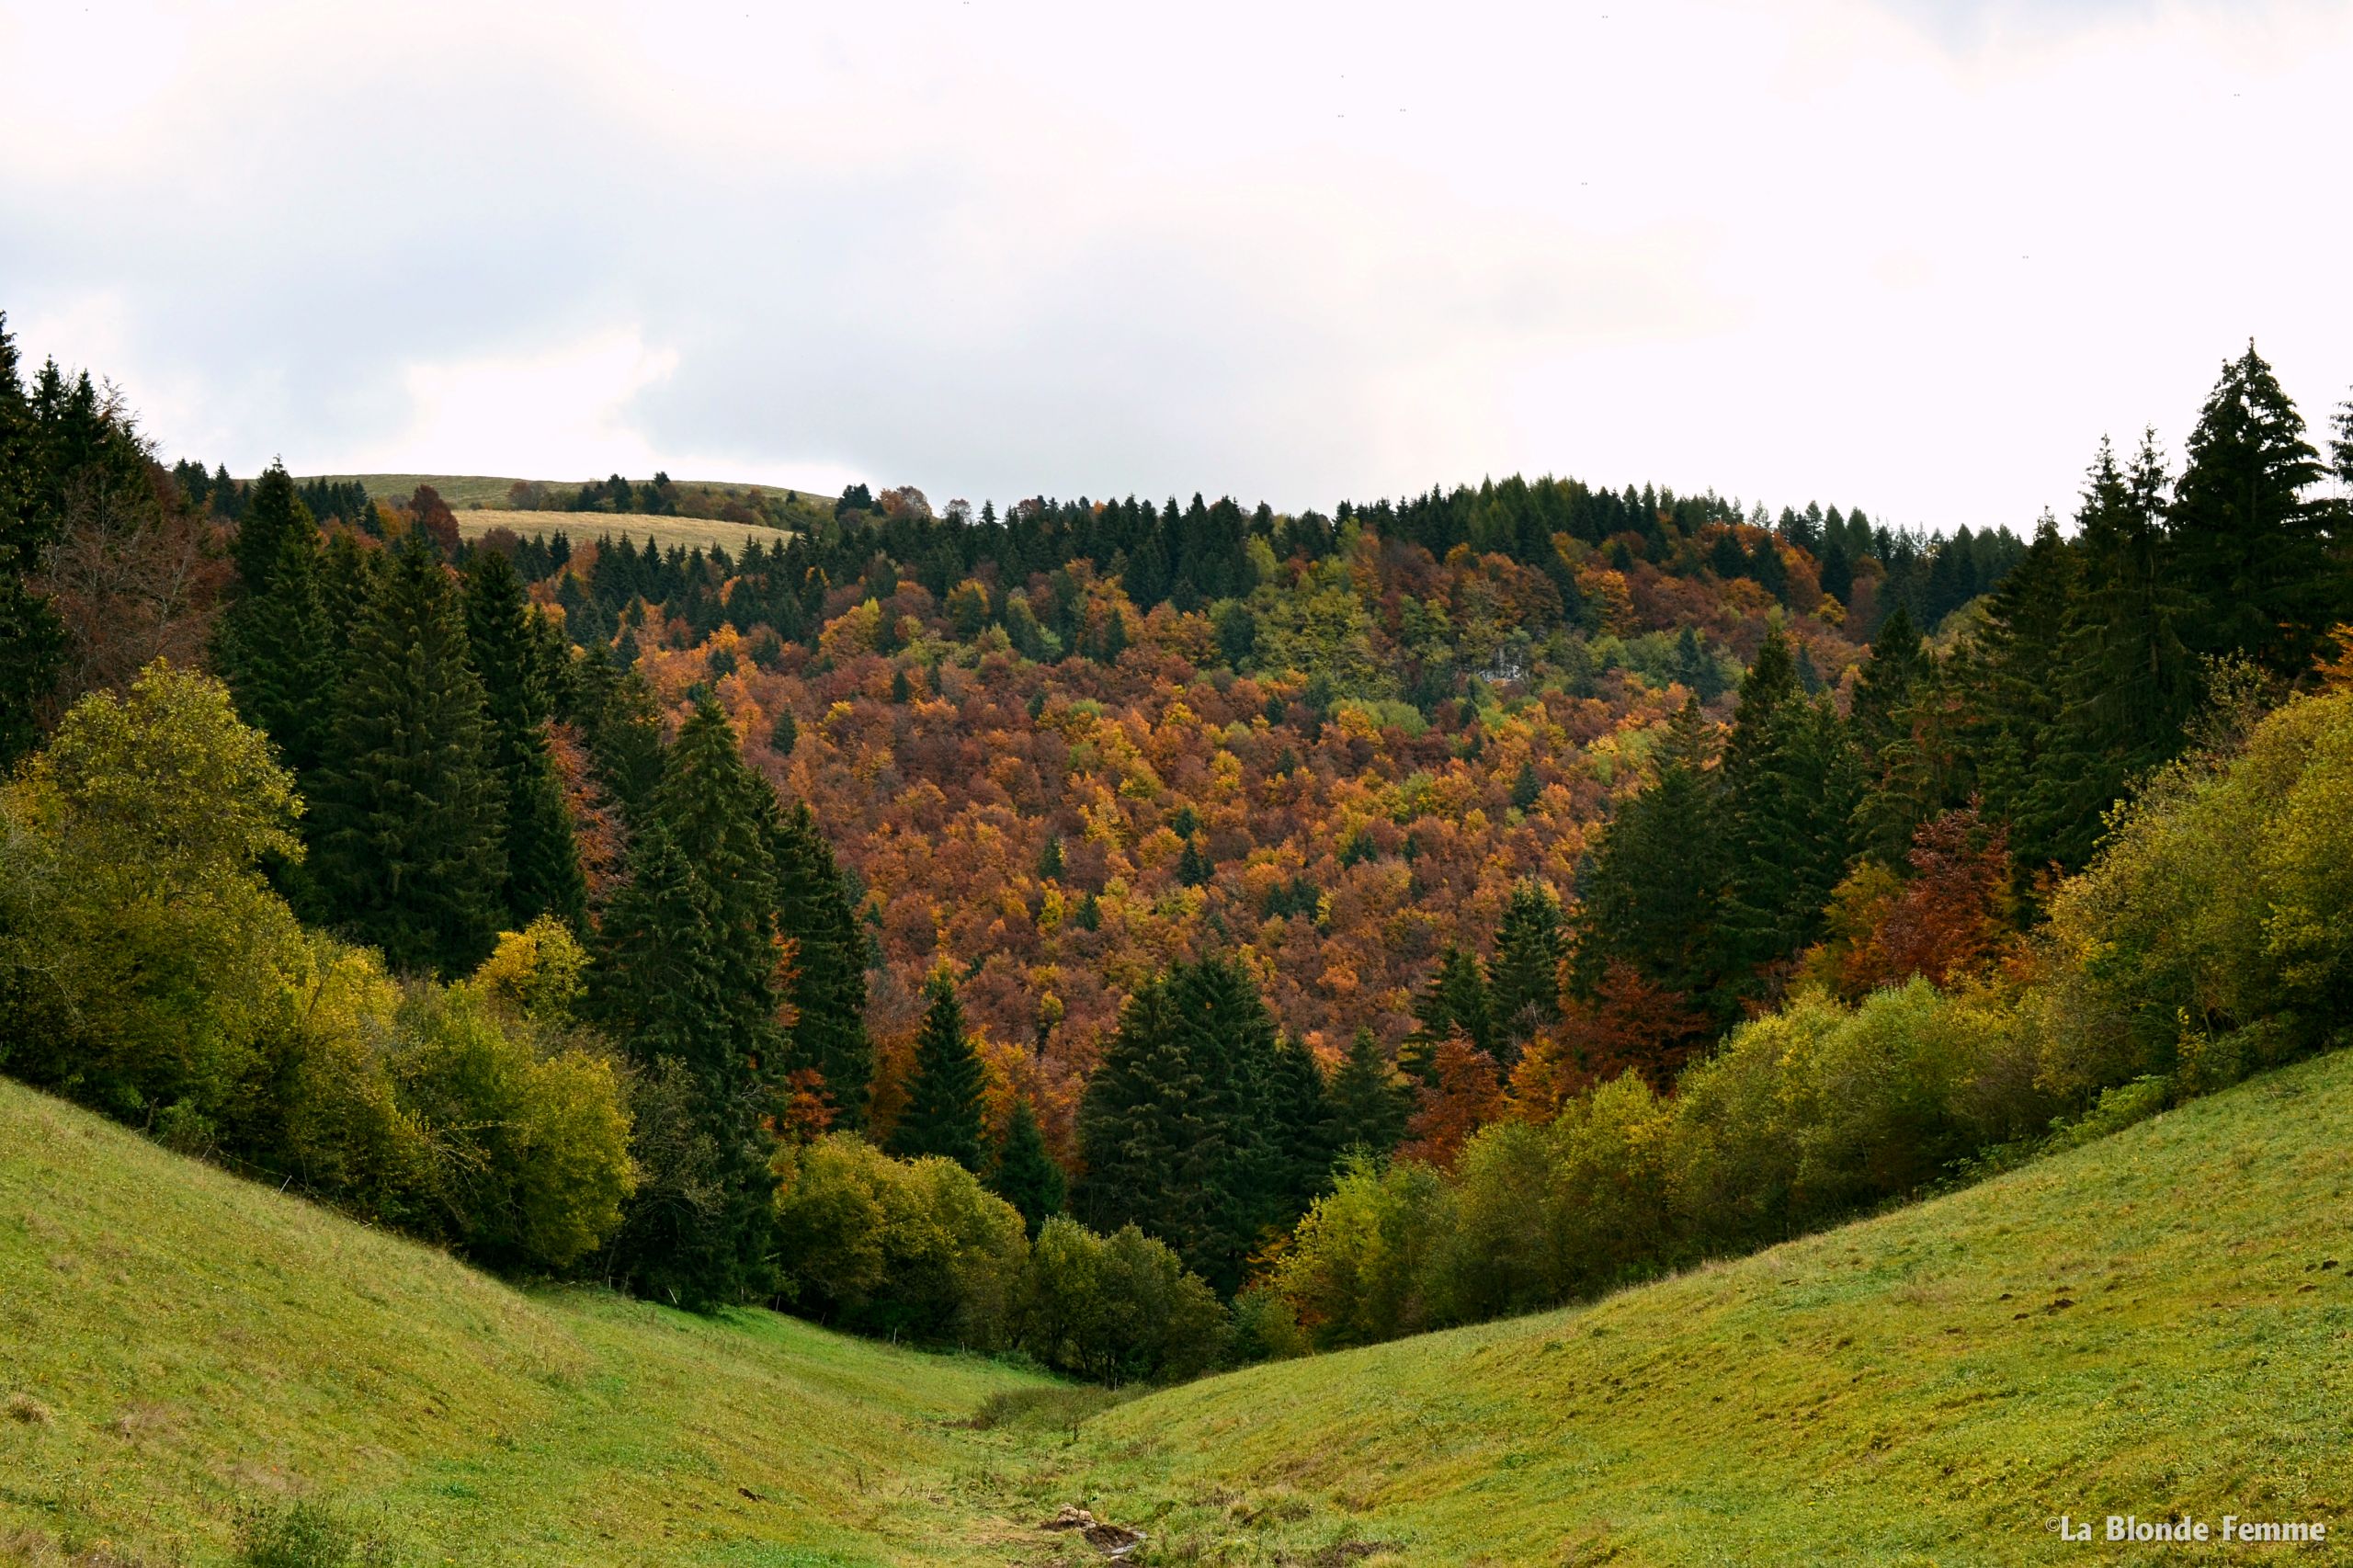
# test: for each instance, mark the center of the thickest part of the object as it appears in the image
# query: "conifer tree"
(698, 1231)
(2250, 551)
(1884, 686)
(407, 818)
(1524, 981)
(1025, 1175)
(1653, 895)
(2126, 679)
(1456, 998)
(544, 874)
(32, 637)
(716, 811)
(2011, 698)
(1305, 1139)
(943, 1113)
(827, 985)
(274, 644)
(1370, 1102)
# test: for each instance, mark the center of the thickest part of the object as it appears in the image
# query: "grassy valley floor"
(2159, 1323)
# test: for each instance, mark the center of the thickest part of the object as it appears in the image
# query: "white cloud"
(1914, 254)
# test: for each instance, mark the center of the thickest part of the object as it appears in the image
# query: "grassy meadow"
(685, 532)
(2152, 1324)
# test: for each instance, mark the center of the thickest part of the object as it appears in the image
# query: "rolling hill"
(2151, 1324)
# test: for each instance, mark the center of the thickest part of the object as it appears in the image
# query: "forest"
(1149, 936)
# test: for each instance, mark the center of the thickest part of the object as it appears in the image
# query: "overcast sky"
(1910, 255)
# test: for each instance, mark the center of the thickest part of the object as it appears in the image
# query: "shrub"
(1359, 1266)
(1116, 1309)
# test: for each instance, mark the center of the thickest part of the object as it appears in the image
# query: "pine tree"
(407, 815)
(2250, 554)
(544, 874)
(716, 811)
(1178, 1127)
(1884, 686)
(943, 1113)
(1524, 981)
(1455, 1000)
(1304, 1137)
(697, 1232)
(274, 644)
(1025, 1175)
(32, 637)
(1653, 895)
(1370, 1102)
(827, 987)
(2011, 698)
(2127, 683)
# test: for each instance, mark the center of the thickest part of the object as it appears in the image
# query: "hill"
(1930, 1386)
(688, 533)
(462, 491)
(2151, 1324)
(178, 1345)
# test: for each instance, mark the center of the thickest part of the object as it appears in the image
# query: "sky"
(1913, 256)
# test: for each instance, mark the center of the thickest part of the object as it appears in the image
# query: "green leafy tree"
(943, 1114)
(407, 848)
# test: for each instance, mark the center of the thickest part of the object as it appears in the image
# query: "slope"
(2155, 1323)
(177, 1346)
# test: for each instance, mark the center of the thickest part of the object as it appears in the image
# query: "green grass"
(1911, 1389)
(1907, 1390)
(178, 1345)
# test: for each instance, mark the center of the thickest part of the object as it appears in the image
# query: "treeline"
(2205, 942)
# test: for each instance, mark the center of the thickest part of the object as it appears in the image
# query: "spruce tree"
(274, 644)
(697, 1232)
(1305, 1136)
(2008, 691)
(827, 984)
(1524, 981)
(544, 874)
(1653, 895)
(1025, 1175)
(1455, 998)
(716, 811)
(407, 818)
(32, 637)
(1884, 689)
(1370, 1102)
(943, 1114)
(2251, 555)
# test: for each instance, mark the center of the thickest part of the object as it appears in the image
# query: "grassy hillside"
(686, 533)
(464, 490)
(2152, 1323)
(2157, 1322)
(176, 1345)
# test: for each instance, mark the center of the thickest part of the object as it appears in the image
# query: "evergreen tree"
(1305, 1138)
(1524, 981)
(2011, 698)
(2250, 554)
(1179, 1126)
(1653, 895)
(943, 1114)
(827, 986)
(1884, 686)
(696, 1233)
(407, 818)
(1838, 572)
(32, 637)
(2127, 683)
(274, 644)
(1194, 868)
(1025, 1175)
(544, 874)
(1455, 998)
(1370, 1102)
(716, 811)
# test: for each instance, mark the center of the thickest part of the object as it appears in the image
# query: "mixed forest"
(1153, 934)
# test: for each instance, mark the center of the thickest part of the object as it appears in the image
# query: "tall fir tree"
(1524, 980)
(1369, 1101)
(544, 874)
(2012, 700)
(274, 644)
(943, 1114)
(1305, 1137)
(1884, 686)
(1025, 1175)
(828, 982)
(2251, 553)
(696, 1231)
(716, 810)
(1455, 998)
(406, 851)
(1653, 895)
(32, 637)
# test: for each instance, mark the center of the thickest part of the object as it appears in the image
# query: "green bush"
(1360, 1260)
(1116, 1309)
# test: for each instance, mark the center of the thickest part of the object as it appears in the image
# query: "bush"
(914, 1248)
(1116, 1309)
(1360, 1260)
